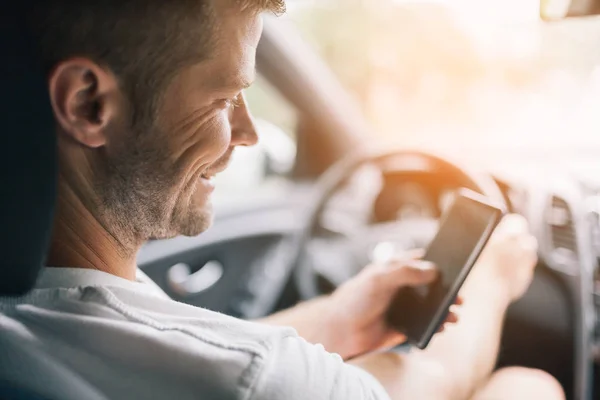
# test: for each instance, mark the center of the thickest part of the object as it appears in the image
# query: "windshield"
(478, 75)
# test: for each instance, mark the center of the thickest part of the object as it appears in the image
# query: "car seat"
(27, 171)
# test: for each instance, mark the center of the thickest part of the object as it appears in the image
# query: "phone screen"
(466, 227)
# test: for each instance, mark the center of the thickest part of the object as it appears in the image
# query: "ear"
(85, 100)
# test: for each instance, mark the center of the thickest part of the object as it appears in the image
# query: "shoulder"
(144, 346)
(151, 347)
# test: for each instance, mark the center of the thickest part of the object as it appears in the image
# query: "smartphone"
(464, 230)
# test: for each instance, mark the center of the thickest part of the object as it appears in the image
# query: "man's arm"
(297, 370)
(352, 320)
(469, 350)
(457, 362)
(309, 319)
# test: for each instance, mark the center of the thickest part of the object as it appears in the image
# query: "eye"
(233, 103)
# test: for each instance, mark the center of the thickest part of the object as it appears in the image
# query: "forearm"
(311, 319)
(456, 362)
(388, 369)
(405, 377)
(467, 352)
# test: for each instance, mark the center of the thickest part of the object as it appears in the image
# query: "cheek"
(218, 133)
(201, 143)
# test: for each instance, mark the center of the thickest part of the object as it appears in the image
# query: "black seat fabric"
(27, 188)
(27, 164)
(10, 391)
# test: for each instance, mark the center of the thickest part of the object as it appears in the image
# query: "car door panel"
(219, 269)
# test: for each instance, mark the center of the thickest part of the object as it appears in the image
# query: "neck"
(81, 238)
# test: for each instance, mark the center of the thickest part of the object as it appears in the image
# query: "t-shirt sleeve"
(298, 370)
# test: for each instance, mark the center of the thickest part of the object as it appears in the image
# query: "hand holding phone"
(509, 259)
(463, 233)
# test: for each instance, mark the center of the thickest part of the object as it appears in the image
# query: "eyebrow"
(238, 82)
(245, 84)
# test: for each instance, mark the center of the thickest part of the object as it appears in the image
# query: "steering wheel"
(415, 233)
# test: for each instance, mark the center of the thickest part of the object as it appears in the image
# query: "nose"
(243, 131)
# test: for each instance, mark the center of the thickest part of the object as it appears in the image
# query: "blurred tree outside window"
(439, 74)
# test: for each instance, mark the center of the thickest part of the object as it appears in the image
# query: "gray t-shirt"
(130, 341)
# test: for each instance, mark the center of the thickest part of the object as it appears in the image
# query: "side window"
(272, 159)
(267, 104)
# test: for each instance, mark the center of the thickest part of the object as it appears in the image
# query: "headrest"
(28, 164)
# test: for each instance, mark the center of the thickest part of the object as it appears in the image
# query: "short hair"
(142, 41)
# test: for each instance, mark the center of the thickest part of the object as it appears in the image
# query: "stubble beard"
(141, 195)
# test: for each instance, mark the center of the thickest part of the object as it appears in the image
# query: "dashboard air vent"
(562, 230)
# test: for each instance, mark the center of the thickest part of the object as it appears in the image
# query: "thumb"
(410, 273)
(513, 224)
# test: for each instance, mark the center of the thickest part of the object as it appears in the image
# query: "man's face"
(158, 182)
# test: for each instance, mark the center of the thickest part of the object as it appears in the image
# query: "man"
(147, 97)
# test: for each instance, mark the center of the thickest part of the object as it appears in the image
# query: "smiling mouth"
(210, 173)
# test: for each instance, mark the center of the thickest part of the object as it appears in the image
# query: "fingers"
(530, 243)
(513, 225)
(409, 273)
(384, 253)
(409, 270)
(414, 254)
(452, 318)
(513, 238)
(514, 222)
